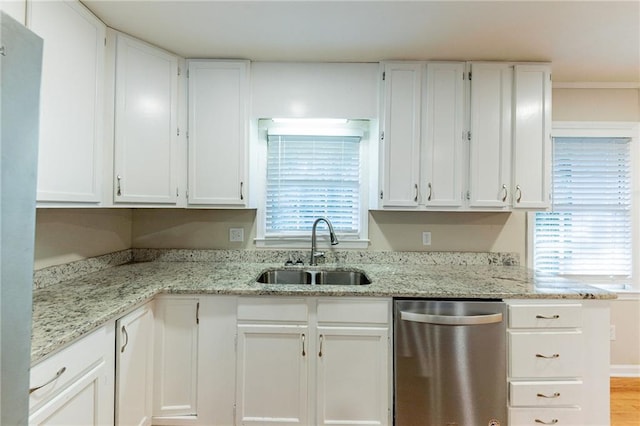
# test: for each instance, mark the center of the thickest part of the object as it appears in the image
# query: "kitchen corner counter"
(64, 311)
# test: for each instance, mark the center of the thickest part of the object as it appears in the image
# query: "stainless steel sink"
(342, 278)
(313, 277)
(285, 276)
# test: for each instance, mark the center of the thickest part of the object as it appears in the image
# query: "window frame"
(573, 129)
(368, 187)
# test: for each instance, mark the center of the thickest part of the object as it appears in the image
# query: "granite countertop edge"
(71, 309)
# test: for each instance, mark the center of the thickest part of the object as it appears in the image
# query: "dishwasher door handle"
(451, 319)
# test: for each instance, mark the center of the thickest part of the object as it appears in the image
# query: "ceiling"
(587, 41)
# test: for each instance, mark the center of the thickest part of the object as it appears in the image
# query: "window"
(313, 170)
(310, 177)
(589, 232)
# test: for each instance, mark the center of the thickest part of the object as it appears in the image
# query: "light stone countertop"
(65, 311)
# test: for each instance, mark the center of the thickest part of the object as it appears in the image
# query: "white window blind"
(588, 231)
(309, 177)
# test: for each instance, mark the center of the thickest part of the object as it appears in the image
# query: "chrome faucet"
(332, 235)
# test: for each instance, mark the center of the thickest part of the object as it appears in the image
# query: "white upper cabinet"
(146, 129)
(532, 137)
(490, 135)
(442, 135)
(218, 117)
(400, 138)
(71, 105)
(480, 143)
(14, 8)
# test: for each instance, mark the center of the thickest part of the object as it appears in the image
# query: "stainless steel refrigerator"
(20, 65)
(450, 363)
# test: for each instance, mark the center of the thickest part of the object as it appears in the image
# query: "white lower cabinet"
(329, 359)
(176, 357)
(134, 367)
(558, 362)
(75, 385)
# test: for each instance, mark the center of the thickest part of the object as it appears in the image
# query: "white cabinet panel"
(14, 8)
(546, 393)
(71, 107)
(490, 127)
(218, 117)
(442, 149)
(134, 367)
(145, 152)
(272, 374)
(176, 357)
(401, 140)
(532, 136)
(548, 315)
(546, 416)
(352, 375)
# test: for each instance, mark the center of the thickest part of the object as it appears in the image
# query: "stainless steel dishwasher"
(449, 363)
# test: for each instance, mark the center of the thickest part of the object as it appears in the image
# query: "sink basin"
(342, 278)
(285, 276)
(313, 277)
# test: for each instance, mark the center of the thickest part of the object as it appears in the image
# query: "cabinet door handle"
(552, 422)
(321, 340)
(548, 356)
(119, 187)
(430, 191)
(51, 380)
(241, 190)
(518, 193)
(126, 338)
(505, 193)
(547, 317)
(416, 197)
(555, 395)
(304, 353)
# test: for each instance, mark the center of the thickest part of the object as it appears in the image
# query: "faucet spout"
(332, 236)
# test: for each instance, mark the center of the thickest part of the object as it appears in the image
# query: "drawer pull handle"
(53, 379)
(555, 395)
(321, 341)
(304, 353)
(548, 356)
(552, 422)
(547, 317)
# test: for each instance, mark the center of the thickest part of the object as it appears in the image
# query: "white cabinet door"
(442, 133)
(272, 370)
(532, 137)
(71, 105)
(175, 376)
(218, 117)
(145, 151)
(352, 375)
(134, 367)
(401, 134)
(490, 127)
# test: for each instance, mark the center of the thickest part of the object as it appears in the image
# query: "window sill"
(305, 243)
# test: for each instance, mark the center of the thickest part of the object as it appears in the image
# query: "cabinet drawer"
(62, 369)
(545, 393)
(545, 316)
(361, 310)
(552, 354)
(545, 416)
(273, 309)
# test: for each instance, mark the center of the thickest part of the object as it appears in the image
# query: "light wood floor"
(625, 401)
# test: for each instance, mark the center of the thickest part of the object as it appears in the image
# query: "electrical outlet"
(612, 332)
(236, 235)
(426, 238)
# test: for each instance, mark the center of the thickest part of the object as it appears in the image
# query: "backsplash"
(59, 273)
